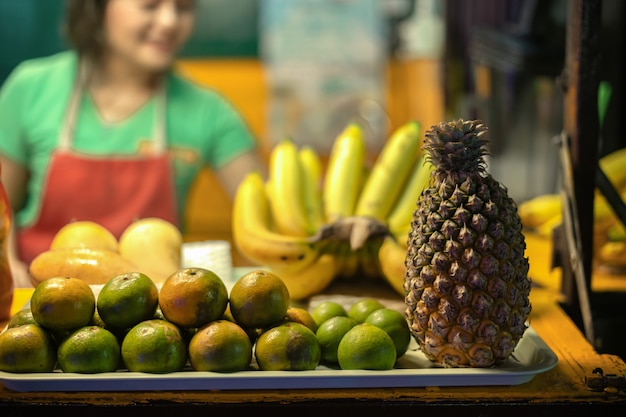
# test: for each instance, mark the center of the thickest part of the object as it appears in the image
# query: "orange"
(327, 309)
(63, 303)
(192, 297)
(259, 299)
(27, 348)
(330, 333)
(366, 346)
(360, 309)
(89, 350)
(287, 347)
(302, 316)
(394, 323)
(220, 346)
(127, 299)
(84, 234)
(154, 346)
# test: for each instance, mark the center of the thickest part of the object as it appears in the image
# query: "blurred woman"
(107, 131)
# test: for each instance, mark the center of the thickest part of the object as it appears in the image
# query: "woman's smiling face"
(147, 33)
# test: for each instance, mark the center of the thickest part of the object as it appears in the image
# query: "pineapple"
(466, 282)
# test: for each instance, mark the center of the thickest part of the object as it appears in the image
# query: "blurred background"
(306, 68)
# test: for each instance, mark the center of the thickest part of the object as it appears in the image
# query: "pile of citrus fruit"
(192, 322)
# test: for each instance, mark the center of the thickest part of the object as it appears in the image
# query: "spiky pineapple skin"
(467, 285)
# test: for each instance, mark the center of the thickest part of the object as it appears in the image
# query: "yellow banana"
(399, 219)
(613, 254)
(310, 279)
(343, 174)
(614, 166)
(287, 186)
(252, 233)
(389, 173)
(537, 210)
(391, 256)
(312, 167)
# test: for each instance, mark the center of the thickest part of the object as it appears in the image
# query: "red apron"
(112, 191)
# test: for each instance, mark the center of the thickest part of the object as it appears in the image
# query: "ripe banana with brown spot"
(312, 168)
(310, 279)
(253, 234)
(390, 172)
(399, 220)
(344, 173)
(287, 185)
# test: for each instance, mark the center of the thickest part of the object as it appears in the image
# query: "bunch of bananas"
(543, 213)
(311, 222)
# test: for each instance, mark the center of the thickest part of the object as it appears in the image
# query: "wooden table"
(562, 391)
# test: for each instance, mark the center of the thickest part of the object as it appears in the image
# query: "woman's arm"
(14, 177)
(231, 174)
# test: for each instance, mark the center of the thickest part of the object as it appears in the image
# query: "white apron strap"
(66, 133)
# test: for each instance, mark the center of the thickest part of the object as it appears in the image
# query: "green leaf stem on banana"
(389, 173)
(344, 173)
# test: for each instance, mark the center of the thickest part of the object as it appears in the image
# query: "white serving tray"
(531, 357)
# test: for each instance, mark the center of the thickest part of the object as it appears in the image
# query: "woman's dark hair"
(83, 26)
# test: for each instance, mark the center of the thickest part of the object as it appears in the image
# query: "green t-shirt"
(202, 127)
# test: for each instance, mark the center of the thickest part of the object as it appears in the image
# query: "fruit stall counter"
(582, 381)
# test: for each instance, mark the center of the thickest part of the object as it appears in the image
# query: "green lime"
(366, 346)
(363, 308)
(287, 347)
(327, 309)
(27, 348)
(23, 316)
(220, 346)
(395, 324)
(330, 333)
(89, 350)
(154, 346)
(127, 299)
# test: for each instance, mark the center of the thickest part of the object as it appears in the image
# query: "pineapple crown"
(457, 146)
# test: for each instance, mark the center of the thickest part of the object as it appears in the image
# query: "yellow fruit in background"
(94, 266)
(63, 303)
(84, 234)
(154, 245)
